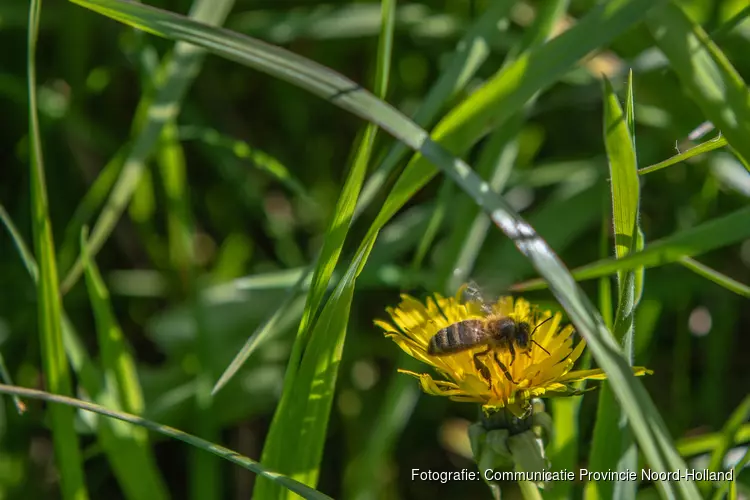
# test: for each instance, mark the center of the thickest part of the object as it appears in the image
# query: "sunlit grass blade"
(132, 458)
(715, 143)
(175, 76)
(57, 377)
(715, 276)
(716, 233)
(705, 72)
(215, 449)
(309, 382)
(608, 453)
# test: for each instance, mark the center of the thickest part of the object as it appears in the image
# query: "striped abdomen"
(458, 337)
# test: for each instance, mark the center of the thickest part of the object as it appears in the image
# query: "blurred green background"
(264, 163)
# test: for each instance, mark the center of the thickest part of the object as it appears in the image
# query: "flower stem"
(529, 490)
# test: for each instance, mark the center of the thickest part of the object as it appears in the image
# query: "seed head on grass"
(543, 369)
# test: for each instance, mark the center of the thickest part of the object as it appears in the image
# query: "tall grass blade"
(705, 72)
(215, 449)
(608, 453)
(133, 461)
(174, 78)
(57, 377)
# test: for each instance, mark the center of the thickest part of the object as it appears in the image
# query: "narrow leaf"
(705, 72)
(57, 377)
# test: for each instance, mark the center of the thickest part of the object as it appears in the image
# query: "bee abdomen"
(454, 338)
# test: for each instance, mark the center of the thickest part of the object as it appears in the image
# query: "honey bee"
(495, 331)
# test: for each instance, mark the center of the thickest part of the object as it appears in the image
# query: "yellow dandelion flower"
(497, 377)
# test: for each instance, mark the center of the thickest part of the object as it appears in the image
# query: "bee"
(495, 331)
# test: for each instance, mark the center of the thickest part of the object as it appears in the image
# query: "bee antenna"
(535, 329)
(540, 347)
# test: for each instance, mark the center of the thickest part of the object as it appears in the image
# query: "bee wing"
(474, 294)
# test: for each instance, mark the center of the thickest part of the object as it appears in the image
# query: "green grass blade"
(57, 377)
(716, 233)
(309, 383)
(715, 143)
(132, 459)
(608, 453)
(715, 276)
(207, 446)
(118, 363)
(706, 74)
(175, 76)
(623, 172)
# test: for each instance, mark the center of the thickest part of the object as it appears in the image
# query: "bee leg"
(512, 353)
(504, 369)
(482, 368)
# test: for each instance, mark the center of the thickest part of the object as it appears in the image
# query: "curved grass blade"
(511, 89)
(57, 377)
(706, 74)
(244, 151)
(716, 233)
(215, 449)
(715, 143)
(175, 76)
(608, 453)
